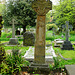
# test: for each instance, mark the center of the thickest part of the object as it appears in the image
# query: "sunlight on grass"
(69, 54)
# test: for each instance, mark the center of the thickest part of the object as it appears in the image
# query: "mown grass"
(66, 53)
(49, 36)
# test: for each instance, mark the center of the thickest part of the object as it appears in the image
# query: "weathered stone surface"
(49, 54)
(41, 7)
(13, 41)
(70, 69)
(67, 46)
(58, 42)
(29, 39)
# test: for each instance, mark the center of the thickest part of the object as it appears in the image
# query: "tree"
(65, 11)
(22, 12)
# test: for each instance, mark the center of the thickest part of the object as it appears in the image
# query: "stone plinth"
(13, 41)
(70, 69)
(67, 46)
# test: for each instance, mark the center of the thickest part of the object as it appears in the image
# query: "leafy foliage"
(13, 63)
(65, 12)
(21, 11)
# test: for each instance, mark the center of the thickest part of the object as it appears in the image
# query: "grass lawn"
(66, 54)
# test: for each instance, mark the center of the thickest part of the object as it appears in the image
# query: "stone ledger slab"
(70, 69)
(29, 55)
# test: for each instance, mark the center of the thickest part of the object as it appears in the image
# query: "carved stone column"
(41, 7)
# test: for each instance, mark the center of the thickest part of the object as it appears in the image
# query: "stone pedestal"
(13, 41)
(67, 46)
(40, 68)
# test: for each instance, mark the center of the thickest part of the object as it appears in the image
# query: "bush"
(13, 63)
(50, 26)
(5, 35)
(72, 32)
(2, 54)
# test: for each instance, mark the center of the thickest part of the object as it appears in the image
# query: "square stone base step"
(70, 69)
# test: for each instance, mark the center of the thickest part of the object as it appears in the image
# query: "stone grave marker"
(67, 44)
(41, 7)
(29, 39)
(58, 42)
(49, 54)
(13, 40)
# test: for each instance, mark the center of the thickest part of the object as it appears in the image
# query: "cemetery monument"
(41, 7)
(13, 40)
(67, 44)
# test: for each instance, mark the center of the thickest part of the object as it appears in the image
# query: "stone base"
(70, 69)
(67, 46)
(41, 68)
(13, 41)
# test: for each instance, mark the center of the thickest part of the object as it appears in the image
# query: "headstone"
(17, 32)
(13, 40)
(58, 42)
(67, 44)
(41, 7)
(29, 39)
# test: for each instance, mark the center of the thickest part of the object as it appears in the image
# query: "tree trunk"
(24, 29)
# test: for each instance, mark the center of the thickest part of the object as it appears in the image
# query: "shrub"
(2, 54)
(50, 26)
(13, 63)
(5, 35)
(72, 32)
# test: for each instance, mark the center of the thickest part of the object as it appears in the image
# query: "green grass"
(66, 53)
(49, 36)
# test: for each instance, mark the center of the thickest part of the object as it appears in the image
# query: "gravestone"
(67, 44)
(29, 39)
(17, 32)
(13, 40)
(41, 7)
(58, 42)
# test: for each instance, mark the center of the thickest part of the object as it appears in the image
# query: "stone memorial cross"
(13, 27)
(13, 40)
(41, 7)
(67, 31)
(67, 44)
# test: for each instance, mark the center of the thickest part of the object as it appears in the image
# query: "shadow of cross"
(41, 7)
